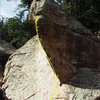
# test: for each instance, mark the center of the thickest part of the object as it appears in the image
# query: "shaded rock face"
(2, 95)
(5, 51)
(69, 44)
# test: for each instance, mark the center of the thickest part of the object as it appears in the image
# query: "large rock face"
(5, 51)
(73, 50)
(69, 44)
(29, 75)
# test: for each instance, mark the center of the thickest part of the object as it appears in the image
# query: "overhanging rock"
(69, 44)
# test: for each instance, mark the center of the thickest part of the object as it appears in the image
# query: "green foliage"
(25, 3)
(86, 11)
(23, 6)
(17, 32)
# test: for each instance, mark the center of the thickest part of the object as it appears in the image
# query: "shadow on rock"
(3, 58)
(98, 98)
(3, 95)
(86, 78)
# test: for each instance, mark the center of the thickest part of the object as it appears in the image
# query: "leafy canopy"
(16, 31)
(86, 11)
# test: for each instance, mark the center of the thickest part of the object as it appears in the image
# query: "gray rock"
(28, 74)
(69, 44)
(5, 51)
(74, 52)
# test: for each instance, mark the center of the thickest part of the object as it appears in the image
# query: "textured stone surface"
(74, 52)
(69, 44)
(5, 51)
(29, 74)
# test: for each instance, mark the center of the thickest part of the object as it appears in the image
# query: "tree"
(2, 20)
(17, 32)
(22, 7)
(86, 11)
(25, 3)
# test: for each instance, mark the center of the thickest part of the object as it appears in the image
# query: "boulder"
(28, 74)
(74, 53)
(66, 41)
(5, 51)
